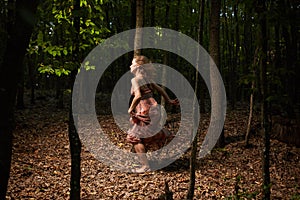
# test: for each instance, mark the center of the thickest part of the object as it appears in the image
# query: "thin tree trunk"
(277, 46)
(292, 30)
(163, 78)
(231, 60)
(75, 150)
(255, 62)
(250, 115)
(261, 8)
(133, 14)
(175, 60)
(224, 35)
(201, 38)
(228, 47)
(247, 44)
(165, 57)
(237, 58)
(139, 24)
(214, 50)
(191, 189)
(132, 25)
(152, 13)
(31, 63)
(75, 143)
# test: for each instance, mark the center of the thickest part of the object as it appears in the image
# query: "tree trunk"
(133, 14)
(214, 49)
(31, 63)
(200, 40)
(75, 143)
(235, 65)
(18, 40)
(255, 63)
(139, 24)
(165, 57)
(293, 50)
(247, 45)
(191, 190)
(224, 36)
(75, 150)
(262, 10)
(152, 13)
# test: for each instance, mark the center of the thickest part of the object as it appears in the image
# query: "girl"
(144, 110)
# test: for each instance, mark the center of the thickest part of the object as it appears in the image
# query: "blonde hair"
(146, 69)
(140, 59)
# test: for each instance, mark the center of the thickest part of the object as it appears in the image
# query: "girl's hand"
(133, 119)
(130, 112)
(174, 102)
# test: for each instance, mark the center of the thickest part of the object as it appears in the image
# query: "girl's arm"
(137, 95)
(164, 94)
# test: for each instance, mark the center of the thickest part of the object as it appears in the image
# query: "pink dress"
(146, 127)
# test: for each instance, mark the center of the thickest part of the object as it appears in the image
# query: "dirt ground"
(41, 163)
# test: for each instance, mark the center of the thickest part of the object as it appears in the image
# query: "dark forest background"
(255, 45)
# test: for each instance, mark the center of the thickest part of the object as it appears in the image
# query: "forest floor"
(41, 163)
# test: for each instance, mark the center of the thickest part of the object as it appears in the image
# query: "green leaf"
(45, 69)
(57, 72)
(87, 22)
(66, 72)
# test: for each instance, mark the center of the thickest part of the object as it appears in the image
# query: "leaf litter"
(41, 163)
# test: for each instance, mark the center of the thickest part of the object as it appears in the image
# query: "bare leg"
(140, 150)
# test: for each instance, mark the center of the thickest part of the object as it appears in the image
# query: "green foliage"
(48, 69)
(87, 66)
(56, 34)
(53, 41)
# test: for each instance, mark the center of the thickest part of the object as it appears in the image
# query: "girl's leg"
(141, 150)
